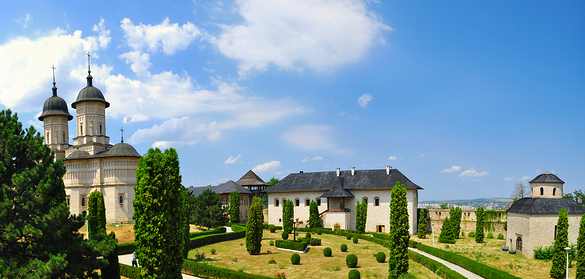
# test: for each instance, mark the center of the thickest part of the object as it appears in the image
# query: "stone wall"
(468, 221)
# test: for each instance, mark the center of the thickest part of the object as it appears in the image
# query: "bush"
(435, 266)
(462, 233)
(315, 242)
(348, 236)
(308, 235)
(292, 245)
(272, 228)
(355, 239)
(204, 270)
(130, 271)
(381, 257)
(327, 252)
(500, 236)
(351, 260)
(319, 233)
(490, 235)
(295, 259)
(471, 234)
(271, 242)
(212, 251)
(354, 274)
(271, 261)
(544, 253)
(284, 235)
(343, 248)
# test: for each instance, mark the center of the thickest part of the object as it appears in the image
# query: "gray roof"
(118, 150)
(547, 177)
(362, 179)
(251, 179)
(196, 191)
(55, 105)
(78, 155)
(230, 186)
(337, 190)
(546, 206)
(90, 93)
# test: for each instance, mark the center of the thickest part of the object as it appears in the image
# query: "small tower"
(55, 118)
(91, 117)
(546, 185)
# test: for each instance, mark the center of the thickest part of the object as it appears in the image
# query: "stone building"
(254, 183)
(225, 190)
(532, 221)
(92, 163)
(494, 220)
(336, 194)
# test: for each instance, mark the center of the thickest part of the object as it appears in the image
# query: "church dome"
(121, 150)
(547, 177)
(55, 105)
(90, 93)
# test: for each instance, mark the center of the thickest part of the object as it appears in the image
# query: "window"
(121, 200)
(241, 201)
(519, 243)
(380, 228)
(318, 202)
(67, 200)
(48, 137)
(64, 137)
(82, 201)
(276, 202)
(365, 199)
(81, 129)
(554, 191)
(296, 202)
(307, 202)
(541, 191)
(100, 129)
(377, 201)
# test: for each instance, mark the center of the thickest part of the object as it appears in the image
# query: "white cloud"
(24, 20)
(232, 159)
(525, 177)
(452, 169)
(509, 178)
(316, 158)
(165, 36)
(139, 62)
(104, 35)
(421, 155)
(364, 100)
(179, 132)
(291, 34)
(392, 158)
(266, 166)
(312, 137)
(472, 173)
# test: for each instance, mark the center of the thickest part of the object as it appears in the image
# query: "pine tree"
(479, 233)
(186, 213)
(96, 215)
(359, 224)
(559, 259)
(208, 210)
(112, 270)
(399, 235)
(581, 250)
(446, 235)
(314, 220)
(456, 214)
(39, 236)
(235, 207)
(158, 231)
(364, 215)
(422, 224)
(254, 229)
(287, 216)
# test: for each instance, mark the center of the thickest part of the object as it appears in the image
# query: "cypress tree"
(235, 207)
(559, 259)
(287, 216)
(581, 250)
(399, 235)
(479, 234)
(40, 237)
(456, 222)
(254, 227)
(364, 215)
(359, 225)
(186, 213)
(422, 224)
(314, 220)
(96, 216)
(112, 270)
(446, 235)
(158, 231)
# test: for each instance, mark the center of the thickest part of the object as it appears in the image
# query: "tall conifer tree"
(479, 226)
(254, 229)
(208, 210)
(235, 207)
(399, 235)
(559, 259)
(422, 224)
(287, 216)
(186, 213)
(314, 220)
(96, 215)
(581, 250)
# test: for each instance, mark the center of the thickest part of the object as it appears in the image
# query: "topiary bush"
(327, 252)
(381, 257)
(355, 239)
(351, 260)
(500, 236)
(284, 235)
(471, 234)
(272, 228)
(354, 274)
(295, 259)
(271, 242)
(343, 248)
(348, 236)
(308, 235)
(490, 235)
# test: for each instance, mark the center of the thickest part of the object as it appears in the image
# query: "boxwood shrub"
(308, 235)
(471, 234)
(490, 235)
(204, 270)
(272, 228)
(354, 274)
(130, 271)
(284, 235)
(327, 252)
(343, 248)
(271, 242)
(348, 236)
(351, 260)
(295, 259)
(500, 236)
(291, 245)
(381, 257)
(355, 239)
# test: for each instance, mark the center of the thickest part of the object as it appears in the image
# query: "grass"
(313, 264)
(489, 253)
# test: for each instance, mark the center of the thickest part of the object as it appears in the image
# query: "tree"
(444, 206)
(235, 207)
(561, 241)
(422, 224)
(288, 215)
(186, 214)
(581, 250)
(273, 181)
(208, 210)
(364, 215)
(520, 191)
(254, 227)
(446, 235)
(479, 234)
(314, 219)
(456, 214)
(112, 270)
(96, 216)
(40, 237)
(158, 231)
(577, 196)
(399, 235)
(360, 217)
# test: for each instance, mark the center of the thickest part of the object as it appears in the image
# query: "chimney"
(337, 171)
(352, 171)
(388, 168)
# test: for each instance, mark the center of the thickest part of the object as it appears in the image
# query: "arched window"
(48, 137)
(318, 201)
(121, 200)
(276, 202)
(376, 201)
(519, 243)
(64, 141)
(307, 202)
(297, 202)
(554, 191)
(365, 199)
(82, 201)
(541, 191)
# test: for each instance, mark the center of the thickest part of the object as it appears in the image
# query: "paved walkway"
(127, 260)
(454, 267)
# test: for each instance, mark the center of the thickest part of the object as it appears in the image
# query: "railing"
(335, 210)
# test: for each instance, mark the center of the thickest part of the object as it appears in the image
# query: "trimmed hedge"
(327, 252)
(292, 245)
(381, 257)
(212, 231)
(128, 248)
(130, 271)
(204, 270)
(351, 260)
(295, 259)
(284, 235)
(355, 239)
(435, 266)
(343, 248)
(215, 238)
(354, 274)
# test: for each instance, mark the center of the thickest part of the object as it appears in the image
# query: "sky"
(465, 98)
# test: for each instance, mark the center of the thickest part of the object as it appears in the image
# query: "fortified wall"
(495, 220)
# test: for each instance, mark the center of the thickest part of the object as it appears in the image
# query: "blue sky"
(465, 98)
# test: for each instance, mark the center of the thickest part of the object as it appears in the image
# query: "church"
(92, 163)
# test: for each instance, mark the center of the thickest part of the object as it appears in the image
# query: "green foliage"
(471, 234)
(490, 235)
(422, 224)
(354, 274)
(500, 236)
(96, 215)
(446, 235)
(130, 271)
(295, 259)
(208, 210)
(435, 266)
(544, 253)
(577, 196)
(479, 233)
(355, 239)
(235, 207)
(212, 251)
(361, 215)
(287, 216)
(381, 257)
(351, 260)
(272, 228)
(314, 219)
(271, 243)
(39, 236)
(308, 235)
(284, 235)
(399, 235)
(462, 233)
(581, 249)
(271, 261)
(112, 270)
(455, 213)
(559, 257)
(444, 206)
(186, 214)
(327, 252)
(343, 247)
(204, 270)
(273, 181)
(348, 236)
(254, 229)
(158, 230)
(292, 245)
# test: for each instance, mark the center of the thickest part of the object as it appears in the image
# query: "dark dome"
(78, 155)
(121, 150)
(547, 177)
(55, 106)
(90, 93)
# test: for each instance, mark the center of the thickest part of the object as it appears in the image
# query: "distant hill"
(487, 203)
